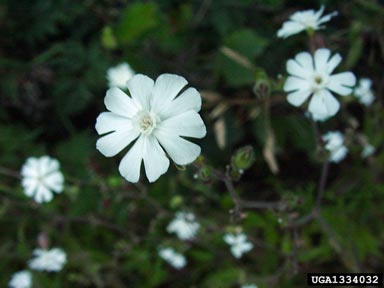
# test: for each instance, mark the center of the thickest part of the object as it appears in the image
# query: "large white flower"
(364, 92)
(175, 259)
(335, 145)
(119, 75)
(239, 244)
(21, 279)
(41, 177)
(312, 76)
(304, 20)
(154, 116)
(48, 260)
(184, 225)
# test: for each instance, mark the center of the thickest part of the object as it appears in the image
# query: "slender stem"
(9, 172)
(322, 183)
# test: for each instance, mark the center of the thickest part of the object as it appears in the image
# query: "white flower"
(239, 244)
(304, 20)
(21, 279)
(184, 225)
(41, 177)
(364, 92)
(119, 75)
(368, 150)
(48, 260)
(312, 76)
(175, 259)
(154, 116)
(249, 286)
(335, 145)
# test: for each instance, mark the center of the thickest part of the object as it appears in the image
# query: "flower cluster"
(335, 145)
(21, 279)
(363, 92)
(239, 244)
(184, 226)
(119, 75)
(175, 259)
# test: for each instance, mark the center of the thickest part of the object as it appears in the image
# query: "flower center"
(319, 82)
(145, 121)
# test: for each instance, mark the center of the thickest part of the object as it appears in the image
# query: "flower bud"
(262, 87)
(243, 159)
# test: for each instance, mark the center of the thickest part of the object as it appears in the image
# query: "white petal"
(155, 161)
(111, 144)
(130, 165)
(305, 60)
(190, 99)
(55, 181)
(321, 59)
(108, 122)
(229, 239)
(30, 186)
(166, 88)
(330, 102)
(120, 103)
(180, 150)
(188, 124)
(297, 98)
(294, 83)
(30, 168)
(295, 69)
(317, 106)
(43, 194)
(290, 28)
(341, 83)
(140, 87)
(333, 63)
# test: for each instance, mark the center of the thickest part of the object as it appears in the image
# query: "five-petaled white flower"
(368, 150)
(21, 279)
(119, 75)
(363, 92)
(335, 145)
(304, 20)
(239, 244)
(312, 76)
(176, 260)
(48, 260)
(249, 286)
(154, 116)
(41, 176)
(184, 225)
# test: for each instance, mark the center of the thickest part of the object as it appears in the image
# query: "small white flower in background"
(48, 260)
(41, 177)
(363, 92)
(311, 76)
(335, 145)
(21, 279)
(173, 258)
(249, 286)
(239, 244)
(304, 20)
(154, 116)
(119, 75)
(184, 225)
(368, 150)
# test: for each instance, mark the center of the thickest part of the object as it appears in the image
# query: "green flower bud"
(243, 159)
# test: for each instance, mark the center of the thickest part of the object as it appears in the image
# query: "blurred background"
(55, 55)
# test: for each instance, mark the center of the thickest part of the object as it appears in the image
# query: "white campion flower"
(304, 20)
(368, 150)
(154, 116)
(184, 225)
(176, 260)
(41, 177)
(21, 279)
(119, 75)
(239, 244)
(363, 92)
(48, 260)
(311, 76)
(334, 143)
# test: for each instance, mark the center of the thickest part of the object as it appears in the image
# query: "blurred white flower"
(184, 225)
(368, 150)
(41, 177)
(173, 258)
(363, 92)
(21, 279)
(48, 260)
(239, 244)
(304, 20)
(154, 116)
(311, 76)
(249, 286)
(335, 145)
(119, 75)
